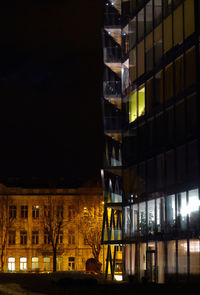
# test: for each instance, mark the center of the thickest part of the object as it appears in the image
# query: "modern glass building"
(150, 107)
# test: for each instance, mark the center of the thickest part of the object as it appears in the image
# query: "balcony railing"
(112, 20)
(112, 54)
(112, 88)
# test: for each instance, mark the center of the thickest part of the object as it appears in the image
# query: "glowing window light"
(192, 206)
(118, 277)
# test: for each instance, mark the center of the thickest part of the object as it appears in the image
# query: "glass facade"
(157, 172)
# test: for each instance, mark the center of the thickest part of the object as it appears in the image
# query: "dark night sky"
(50, 81)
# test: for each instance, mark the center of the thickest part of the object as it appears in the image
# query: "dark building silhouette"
(151, 165)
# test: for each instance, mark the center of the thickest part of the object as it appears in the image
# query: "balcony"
(112, 89)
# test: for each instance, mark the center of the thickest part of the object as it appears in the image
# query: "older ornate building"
(27, 216)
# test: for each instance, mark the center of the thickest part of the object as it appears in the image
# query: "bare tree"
(90, 224)
(6, 222)
(53, 222)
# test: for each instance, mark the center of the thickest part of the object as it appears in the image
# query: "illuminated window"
(24, 211)
(23, 237)
(47, 263)
(59, 264)
(35, 212)
(23, 263)
(11, 237)
(194, 246)
(35, 237)
(12, 211)
(71, 237)
(35, 263)
(11, 263)
(133, 106)
(141, 101)
(71, 263)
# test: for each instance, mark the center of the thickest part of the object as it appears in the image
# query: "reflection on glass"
(170, 203)
(151, 216)
(149, 16)
(182, 210)
(142, 218)
(141, 101)
(193, 209)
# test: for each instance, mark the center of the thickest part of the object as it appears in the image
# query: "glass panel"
(193, 159)
(170, 203)
(167, 34)
(160, 214)
(134, 218)
(158, 88)
(179, 74)
(133, 106)
(181, 163)
(150, 174)
(177, 2)
(160, 171)
(189, 17)
(161, 262)
(193, 209)
(149, 94)
(180, 119)
(149, 52)
(141, 25)
(142, 218)
(140, 58)
(182, 211)
(171, 257)
(149, 16)
(169, 81)
(132, 65)
(158, 43)
(157, 11)
(141, 101)
(143, 250)
(132, 33)
(151, 216)
(182, 257)
(170, 167)
(191, 113)
(194, 256)
(167, 7)
(127, 223)
(170, 123)
(178, 25)
(190, 62)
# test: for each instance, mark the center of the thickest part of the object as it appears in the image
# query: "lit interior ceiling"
(115, 34)
(117, 4)
(115, 67)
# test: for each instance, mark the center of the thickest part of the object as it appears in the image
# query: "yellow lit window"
(141, 101)
(133, 106)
